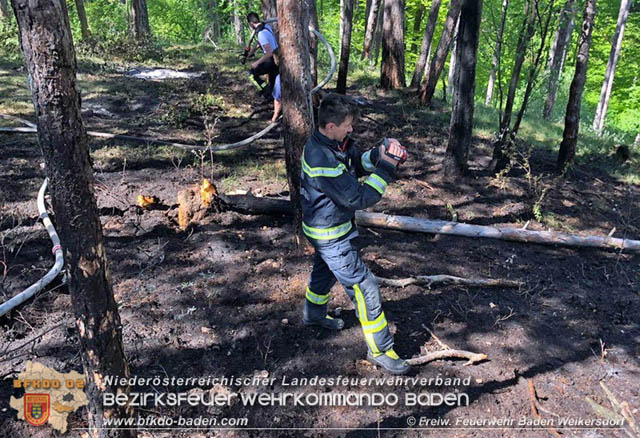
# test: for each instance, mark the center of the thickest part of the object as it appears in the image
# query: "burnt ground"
(224, 297)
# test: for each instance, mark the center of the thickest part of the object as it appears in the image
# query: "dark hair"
(335, 108)
(252, 17)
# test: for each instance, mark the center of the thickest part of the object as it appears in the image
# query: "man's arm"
(277, 109)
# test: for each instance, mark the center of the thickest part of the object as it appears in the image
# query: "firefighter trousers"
(341, 261)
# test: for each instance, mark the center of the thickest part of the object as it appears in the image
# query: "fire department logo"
(36, 408)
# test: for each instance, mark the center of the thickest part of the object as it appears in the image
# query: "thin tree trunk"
(293, 20)
(500, 158)
(567, 150)
(346, 23)
(372, 22)
(427, 39)
(496, 54)
(377, 36)
(607, 85)
(139, 19)
(82, 17)
(636, 143)
(392, 74)
(237, 23)
(437, 63)
(557, 55)
(534, 69)
(417, 23)
(269, 9)
(466, 55)
(46, 42)
(4, 10)
(313, 41)
(452, 60)
(212, 29)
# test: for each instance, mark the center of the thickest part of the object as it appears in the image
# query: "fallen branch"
(430, 280)
(533, 399)
(437, 339)
(18, 119)
(472, 358)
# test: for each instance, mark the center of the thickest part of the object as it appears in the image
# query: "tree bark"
(567, 150)
(466, 55)
(372, 22)
(534, 69)
(496, 54)
(452, 61)
(46, 42)
(427, 39)
(346, 24)
(237, 23)
(139, 17)
(269, 9)
(500, 158)
(4, 10)
(417, 24)
(377, 36)
(293, 21)
(313, 41)
(437, 63)
(392, 74)
(82, 17)
(610, 72)
(557, 54)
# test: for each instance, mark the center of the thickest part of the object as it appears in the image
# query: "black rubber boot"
(327, 322)
(389, 361)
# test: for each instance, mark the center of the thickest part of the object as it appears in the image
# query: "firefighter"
(330, 195)
(268, 42)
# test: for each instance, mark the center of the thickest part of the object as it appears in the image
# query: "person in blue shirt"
(330, 195)
(268, 42)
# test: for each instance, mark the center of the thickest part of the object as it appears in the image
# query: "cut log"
(406, 223)
(430, 280)
(247, 204)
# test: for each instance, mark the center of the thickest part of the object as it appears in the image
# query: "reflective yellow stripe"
(376, 325)
(317, 299)
(366, 162)
(362, 308)
(368, 328)
(377, 183)
(330, 172)
(327, 233)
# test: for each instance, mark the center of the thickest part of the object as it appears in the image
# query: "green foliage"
(9, 45)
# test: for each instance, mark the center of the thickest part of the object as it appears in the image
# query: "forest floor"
(224, 298)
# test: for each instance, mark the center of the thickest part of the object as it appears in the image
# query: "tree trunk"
(139, 19)
(372, 22)
(452, 61)
(417, 23)
(636, 143)
(427, 39)
(392, 67)
(496, 54)
(534, 69)
(237, 23)
(572, 118)
(607, 85)
(346, 23)
(4, 10)
(500, 160)
(293, 21)
(437, 63)
(313, 41)
(46, 42)
(269, 9)
(377, 36)
(557, 54)
(82, 17)
(466, 55)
